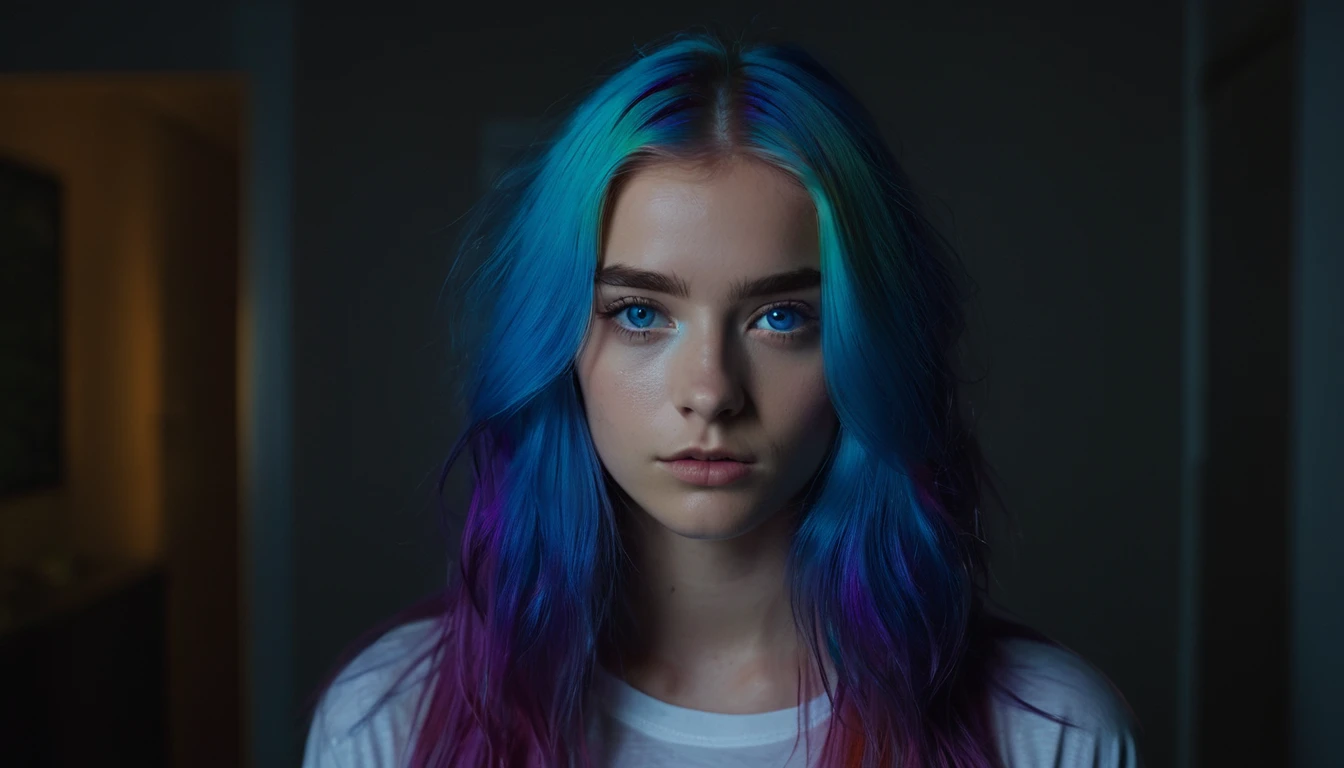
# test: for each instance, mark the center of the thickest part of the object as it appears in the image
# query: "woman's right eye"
(639, 315)
(632, 318)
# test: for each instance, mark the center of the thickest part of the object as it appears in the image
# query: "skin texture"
(714, 630)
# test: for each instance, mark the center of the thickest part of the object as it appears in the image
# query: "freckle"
(670, 591)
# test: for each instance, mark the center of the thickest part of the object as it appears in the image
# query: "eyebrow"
(623, 276)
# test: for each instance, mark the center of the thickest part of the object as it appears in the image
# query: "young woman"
(727, 505)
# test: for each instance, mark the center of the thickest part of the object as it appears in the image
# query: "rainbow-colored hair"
(888, 563)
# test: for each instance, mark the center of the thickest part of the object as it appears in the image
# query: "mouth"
(707, 472)
(719, 453)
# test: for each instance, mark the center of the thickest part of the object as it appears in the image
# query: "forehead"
(744, 219)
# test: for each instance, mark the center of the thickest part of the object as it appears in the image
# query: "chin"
(708, 522)
(706, 531)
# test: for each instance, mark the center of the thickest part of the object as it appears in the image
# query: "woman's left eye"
(782, 319)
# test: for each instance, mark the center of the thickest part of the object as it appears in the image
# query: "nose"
(705, 376)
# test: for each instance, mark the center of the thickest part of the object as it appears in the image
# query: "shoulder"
(367, 716)
(1099, 730)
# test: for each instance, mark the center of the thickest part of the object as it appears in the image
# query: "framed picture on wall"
(31, 387)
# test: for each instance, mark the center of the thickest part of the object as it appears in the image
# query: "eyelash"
(804, 311)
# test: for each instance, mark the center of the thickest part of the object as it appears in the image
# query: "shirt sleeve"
(368, 716)
(1073, 746)
(1100, 730)
(320, 750)
(342, 736)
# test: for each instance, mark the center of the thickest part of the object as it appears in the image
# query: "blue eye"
(781, 318)
(640, 315)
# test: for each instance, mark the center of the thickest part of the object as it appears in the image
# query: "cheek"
(798, 410)
(619, 395)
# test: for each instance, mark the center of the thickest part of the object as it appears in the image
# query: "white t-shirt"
(635, 729)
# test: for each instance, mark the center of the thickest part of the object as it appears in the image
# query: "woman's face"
(680, 356)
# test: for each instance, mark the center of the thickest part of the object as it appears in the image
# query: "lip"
(707, 473)
(710, 454)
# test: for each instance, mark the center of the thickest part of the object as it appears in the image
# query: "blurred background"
(224, 227)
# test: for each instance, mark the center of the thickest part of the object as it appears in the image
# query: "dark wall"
(1050, 136)
(150, 35)
(1317, 484)
(198, 270)
(1247, 94)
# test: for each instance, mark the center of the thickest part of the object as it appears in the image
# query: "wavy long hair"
(888, 562)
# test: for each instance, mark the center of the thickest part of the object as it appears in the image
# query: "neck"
(711, 623)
